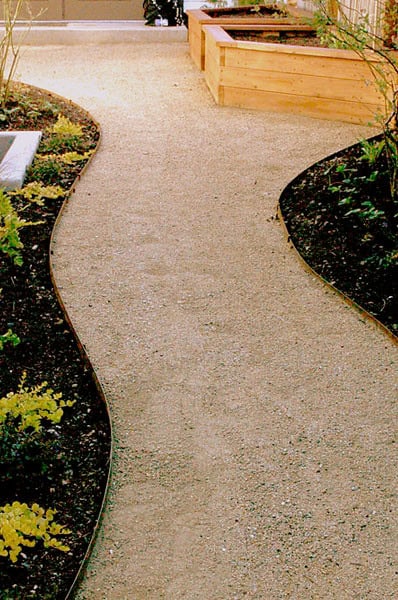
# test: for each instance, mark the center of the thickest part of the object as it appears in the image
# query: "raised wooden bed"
(319, 82)
(243, 15)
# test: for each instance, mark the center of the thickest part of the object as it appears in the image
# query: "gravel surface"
(254, 410)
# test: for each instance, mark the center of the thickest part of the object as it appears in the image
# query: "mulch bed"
(77, 450)
(278, 37)
(357, 252)
(249, 11)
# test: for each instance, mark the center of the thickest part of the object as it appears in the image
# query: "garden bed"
(339, 217)
(65, 468)
(326, 83)
(242, 15)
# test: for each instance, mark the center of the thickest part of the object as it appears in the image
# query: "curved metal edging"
(82, 350)
(308, 267)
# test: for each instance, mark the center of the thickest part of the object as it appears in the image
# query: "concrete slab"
(43, 33)
(17, 150)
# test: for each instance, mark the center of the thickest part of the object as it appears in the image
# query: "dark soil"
(70, 471)
(248, 11)
(295, 38)
(340, 218)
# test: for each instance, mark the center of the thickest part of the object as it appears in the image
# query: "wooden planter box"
(232, 16)
(323, 83)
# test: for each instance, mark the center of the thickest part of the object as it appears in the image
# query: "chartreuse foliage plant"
(10, 224)
(30, 406)
(62, 137)
(64, 127)
(68, 158)
(23, 525)
(24, 442)
(37, 192)
(63, 144)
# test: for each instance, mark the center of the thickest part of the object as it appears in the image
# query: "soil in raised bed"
(248, 11)
(295, 38)
(69, 472)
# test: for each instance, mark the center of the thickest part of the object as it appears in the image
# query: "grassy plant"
(23, 525)
(278, 7)
(372, 151)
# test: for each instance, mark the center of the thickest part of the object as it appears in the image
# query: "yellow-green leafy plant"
(24, 443)
(37, 192)
(65, 127)
(10, 224)
(71, 157)
(68, 158)
(29, 406)
(23, 525)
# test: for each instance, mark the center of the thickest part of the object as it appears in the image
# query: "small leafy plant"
(30, 406)
(23, 525)
(23, 439)
(46, 169)
(348, 187)
(9, 337)
(68, 158)
(64, 127)
(372, 150)
(10, 224)
(36, 192)
(63, 136)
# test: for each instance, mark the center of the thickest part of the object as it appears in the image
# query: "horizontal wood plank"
(302, 85)
(336, 110)
(324, 66)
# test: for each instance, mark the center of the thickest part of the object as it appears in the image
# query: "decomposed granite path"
(255, 412)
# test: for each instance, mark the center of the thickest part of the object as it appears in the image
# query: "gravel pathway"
(254, 411)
